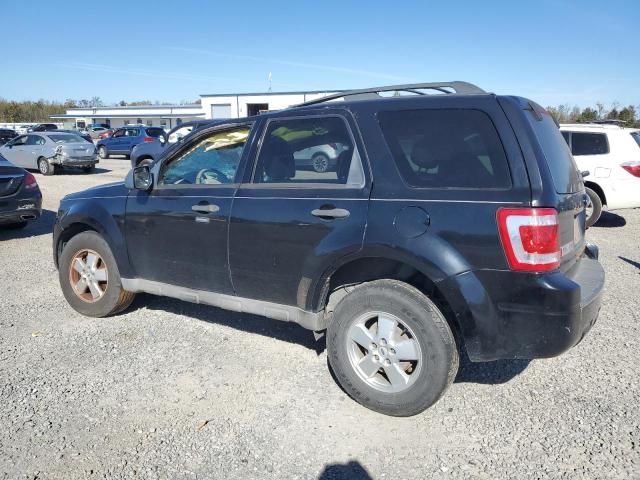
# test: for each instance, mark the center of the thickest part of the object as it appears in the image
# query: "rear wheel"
(593, 209)
(89, 277)
(45, 167)
(391, 349)
(102, 152)
(320, 162)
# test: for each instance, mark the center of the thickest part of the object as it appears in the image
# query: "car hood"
(108, 190)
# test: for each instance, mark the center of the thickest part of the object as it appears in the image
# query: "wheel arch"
(598, 189)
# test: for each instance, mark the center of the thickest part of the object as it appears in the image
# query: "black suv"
(451, 221)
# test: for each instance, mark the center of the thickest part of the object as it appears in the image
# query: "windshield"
(71, 138)
(636, 137)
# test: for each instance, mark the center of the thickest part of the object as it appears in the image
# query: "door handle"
(205, 208)
(330, 212)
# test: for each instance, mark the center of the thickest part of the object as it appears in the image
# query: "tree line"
(29, 111)
(627, 116)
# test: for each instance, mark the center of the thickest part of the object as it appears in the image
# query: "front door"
(15, 151)
(289, 221)
(177, 232)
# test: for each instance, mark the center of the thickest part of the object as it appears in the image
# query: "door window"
(132, 132)
(118, 133)
(308, 150)
(34, 140)
(212, 160)
(589, 143)
(22, 140)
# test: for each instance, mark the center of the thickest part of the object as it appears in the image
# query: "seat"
(278, 162)
(343, 165)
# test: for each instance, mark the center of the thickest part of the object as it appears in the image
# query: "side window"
(212, 160)
(179, 133)
(118, 133)
(589, 143)
(446, 148)
(34, 140)
(308, 150)
(567, 137)
(132, 132)
(22, 140)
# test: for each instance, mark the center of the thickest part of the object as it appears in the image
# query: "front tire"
(391, 349)
(594, 207)
(320, 162)
(102, 152)
(89, 277)
(45, 167)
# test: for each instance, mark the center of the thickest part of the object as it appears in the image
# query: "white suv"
(611, 154)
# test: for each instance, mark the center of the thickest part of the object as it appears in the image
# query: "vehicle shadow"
(352, 470)
(78, 171)
(630, 262)
(489, 373)
(610, 220)
(284, 331)
(42, 226)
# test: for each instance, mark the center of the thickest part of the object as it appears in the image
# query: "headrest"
(423, 154)
(279, 164)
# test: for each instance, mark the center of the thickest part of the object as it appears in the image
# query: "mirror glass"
(142, 178)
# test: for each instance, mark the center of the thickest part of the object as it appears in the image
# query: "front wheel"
(102, 152)
(89, 277)
(391, 348)
(45, 167)
(593, 209)
(320, 162)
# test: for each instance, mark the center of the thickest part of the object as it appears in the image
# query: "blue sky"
(555, 52)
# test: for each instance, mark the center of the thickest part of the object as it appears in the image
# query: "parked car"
(7, 134)
(453, 221)
(95, 131)
(42, 127)
(611, 155)
(20, 197)
(22, 129)
(320, 158)
(82, 134)
(49, 151)
(148, 152)
(124, 139)
(106, 133)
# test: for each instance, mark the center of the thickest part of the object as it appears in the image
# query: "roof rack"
(459, 88)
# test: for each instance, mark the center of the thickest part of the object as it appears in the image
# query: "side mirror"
(142, 178)
(585, 173)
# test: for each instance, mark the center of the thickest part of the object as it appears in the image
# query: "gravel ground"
(182, 391)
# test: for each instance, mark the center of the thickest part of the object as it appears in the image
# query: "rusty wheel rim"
(88, 275)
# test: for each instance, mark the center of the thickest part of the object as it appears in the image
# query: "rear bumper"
(75, 161)
(509, 315)
(20, 208)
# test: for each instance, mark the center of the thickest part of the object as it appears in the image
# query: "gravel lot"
(182, 391)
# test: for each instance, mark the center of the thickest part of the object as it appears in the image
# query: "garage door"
(221, 110)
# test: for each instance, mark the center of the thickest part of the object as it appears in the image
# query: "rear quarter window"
(439, 148)
(584, 143)
(155, 132)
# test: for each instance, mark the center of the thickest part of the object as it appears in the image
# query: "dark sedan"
(7, 134)
(20, 197)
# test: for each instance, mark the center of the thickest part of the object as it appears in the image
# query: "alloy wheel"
(384, 352)
(320, 163)
(88, 275)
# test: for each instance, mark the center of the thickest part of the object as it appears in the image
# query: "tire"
(427, 331)
(113, 298)
(320, 162)
(594, 207)
(102, 152)
(45, 167)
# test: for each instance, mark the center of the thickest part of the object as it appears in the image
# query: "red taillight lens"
(148, 139)
(530, 237)
(632, 167)
(30, 181)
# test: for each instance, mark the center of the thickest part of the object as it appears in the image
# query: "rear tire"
(45, 167)
(111, 297)
(594, 207)
(403, 371)
(320, 162)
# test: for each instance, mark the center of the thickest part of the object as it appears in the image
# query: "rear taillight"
(148, 139)
(30, 181)
(632, 167)
(530, 237)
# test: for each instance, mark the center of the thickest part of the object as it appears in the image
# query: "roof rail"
(459, 88)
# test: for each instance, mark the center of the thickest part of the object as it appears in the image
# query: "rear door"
(290, 222)
(14, 151)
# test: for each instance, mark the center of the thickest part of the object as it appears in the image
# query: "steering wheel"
(211, 176)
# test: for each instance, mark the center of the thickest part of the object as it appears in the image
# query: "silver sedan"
(48, 151)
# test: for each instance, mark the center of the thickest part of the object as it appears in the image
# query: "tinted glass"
(583, 143)
(567, 137)
(446, 148)
(636, 137)
(22, 140)
(213, 160)
(35, 140)
(67, 138)
(132, 132)
(307, 150)
(563, 169)
(155, 132)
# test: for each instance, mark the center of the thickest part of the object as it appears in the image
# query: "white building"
(216, 106)
(165, 116)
